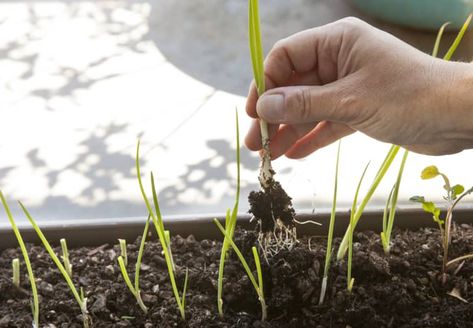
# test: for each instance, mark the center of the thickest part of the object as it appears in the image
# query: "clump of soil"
(400, 290)
(270, 205)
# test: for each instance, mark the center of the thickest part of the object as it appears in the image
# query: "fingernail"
(271, 107)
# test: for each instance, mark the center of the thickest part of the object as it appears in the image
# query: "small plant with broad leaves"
(453, 195)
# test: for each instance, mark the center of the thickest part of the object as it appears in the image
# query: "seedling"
(134, 289)
(359, 211)
(350, 280)
(15, 263)
(390, 209)
(16, 267)
(78, 295)
(65, 256)
(328, 254)
(123, 254)
(258, 285)
(163, 236)
(454, 194)
(271, 206)
(230, 224)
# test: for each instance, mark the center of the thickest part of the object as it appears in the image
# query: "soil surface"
(399, 290)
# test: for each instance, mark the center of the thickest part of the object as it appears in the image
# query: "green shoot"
(359, 211)
(257, 58)
(163, 240)
(230, 224)
(350, 280)
(19, 238)
(328, 254)
(15, 263)
(258, 285)
(458, 39)
(80, 299)
(435, 51)
(390, 209)
(123, 253)
(454, 194)
(135, 289)
(65, 256)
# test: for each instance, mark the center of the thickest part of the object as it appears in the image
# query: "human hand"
(330, 81)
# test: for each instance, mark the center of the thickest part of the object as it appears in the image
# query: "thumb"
(305, 104)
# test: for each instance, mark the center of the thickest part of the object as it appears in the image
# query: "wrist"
(455, 98)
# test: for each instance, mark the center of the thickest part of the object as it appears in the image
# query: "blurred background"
(81, 81)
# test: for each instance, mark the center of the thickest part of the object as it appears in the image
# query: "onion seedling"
(230, 223)
(163, 235)
(328, 253)
(258, 285)
(15, 264)
(19, 238)
(78, 295)
(65, 256)
(390, 209)
(359, 211)
(453, 196)
(271, 206)
(350, 280)
(134, 289)
(123, 253)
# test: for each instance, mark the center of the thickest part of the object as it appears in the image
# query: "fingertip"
(253, 137)
(251, 101)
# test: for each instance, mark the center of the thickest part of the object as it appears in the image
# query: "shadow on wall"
(211, 181)
(35, 44)
(206, 186)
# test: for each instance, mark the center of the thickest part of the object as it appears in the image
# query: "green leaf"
(457, 190)
(429, 172)
(458, 39)
(429, 207)
(417, 199)
(435, 51)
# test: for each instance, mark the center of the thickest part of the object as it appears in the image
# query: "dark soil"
(270, 205)
(400, 290)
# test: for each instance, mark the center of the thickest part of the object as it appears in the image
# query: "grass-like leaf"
(359, 211)
(391, 204)
(328, 253)
(79, 297)
(26, 258)
(350, 280)
(135, 289)
(159, 226)
(258, 285)
(230, 224)
(458, 39)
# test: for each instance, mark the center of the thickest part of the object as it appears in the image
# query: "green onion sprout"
(135, 289)
(19, 238)
(230, 224)
(163, 236)
(350, 280)
(79, 297)
(123, 253)
(65, 256)
(390, 209)
(359, 211)
(15, 263)
(328, 254)
(258, 285)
